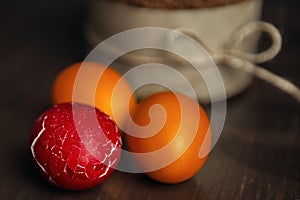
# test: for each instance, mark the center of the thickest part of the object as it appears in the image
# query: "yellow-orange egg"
(96, 85)
(172, 136)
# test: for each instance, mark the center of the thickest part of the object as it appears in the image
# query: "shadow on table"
(138, 186)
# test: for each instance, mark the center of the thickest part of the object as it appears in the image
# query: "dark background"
(257, 156)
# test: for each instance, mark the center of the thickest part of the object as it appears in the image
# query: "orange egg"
(171, 132)
(97, 85)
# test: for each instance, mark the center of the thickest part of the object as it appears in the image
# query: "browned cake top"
(178, 4)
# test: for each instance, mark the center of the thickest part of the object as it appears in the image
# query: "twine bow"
(248, 61)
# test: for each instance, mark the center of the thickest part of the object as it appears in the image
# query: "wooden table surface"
(257, 156)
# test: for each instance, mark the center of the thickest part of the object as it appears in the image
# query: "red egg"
(75, 146)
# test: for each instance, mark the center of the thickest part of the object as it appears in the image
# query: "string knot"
(229, 54)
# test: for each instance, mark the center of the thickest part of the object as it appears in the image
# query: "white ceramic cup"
(214, 25)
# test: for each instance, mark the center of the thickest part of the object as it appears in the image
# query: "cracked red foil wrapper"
(75, 146)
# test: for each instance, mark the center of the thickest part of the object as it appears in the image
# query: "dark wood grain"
(257, 156)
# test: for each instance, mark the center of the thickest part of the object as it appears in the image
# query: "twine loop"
(230, 55)
(246, 61)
